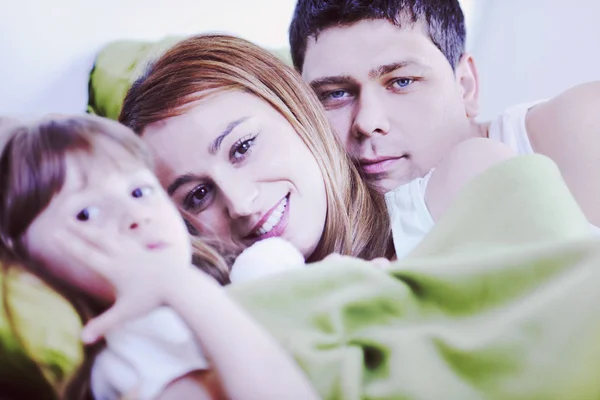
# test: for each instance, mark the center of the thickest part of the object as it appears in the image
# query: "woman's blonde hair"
(32, 172)
(357, 222)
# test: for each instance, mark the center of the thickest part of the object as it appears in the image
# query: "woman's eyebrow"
(216, 144)
(180, 181)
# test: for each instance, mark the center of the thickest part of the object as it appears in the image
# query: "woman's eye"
(141, 192)
(244, 147)
(241, 148)
(87, 213)
(197, 197)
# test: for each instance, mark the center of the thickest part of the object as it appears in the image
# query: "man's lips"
(378, 165)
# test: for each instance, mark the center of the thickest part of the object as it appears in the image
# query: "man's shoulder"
(572, 115)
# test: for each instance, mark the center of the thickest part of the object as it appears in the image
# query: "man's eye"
(402, 82)
(336, 94)
(141, 192)
(87, 213)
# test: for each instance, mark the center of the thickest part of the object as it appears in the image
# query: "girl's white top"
(143, 356)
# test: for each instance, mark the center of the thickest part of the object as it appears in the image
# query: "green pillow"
(117, 66)
(47, 334)
(120, 63)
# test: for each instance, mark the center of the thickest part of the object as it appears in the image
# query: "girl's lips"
(156, 245)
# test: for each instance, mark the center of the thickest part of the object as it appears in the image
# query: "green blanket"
(500, 301)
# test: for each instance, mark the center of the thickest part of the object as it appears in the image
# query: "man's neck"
(480, 129)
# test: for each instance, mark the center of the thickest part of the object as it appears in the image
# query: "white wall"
(47, 47)
(525, 50)
(533, 49)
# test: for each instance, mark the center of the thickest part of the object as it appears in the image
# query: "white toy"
(266, 257)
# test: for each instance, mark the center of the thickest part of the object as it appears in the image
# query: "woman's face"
(238, 170)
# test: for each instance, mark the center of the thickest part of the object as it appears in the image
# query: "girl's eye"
(196, 197)
(87, 213)
(240, 149)
(141, 192)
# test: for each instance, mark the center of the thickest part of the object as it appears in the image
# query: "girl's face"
(238, 170)
(115, 196)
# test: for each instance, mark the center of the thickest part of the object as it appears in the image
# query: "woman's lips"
(275, 228)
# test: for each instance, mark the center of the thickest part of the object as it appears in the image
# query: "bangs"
(34, 159)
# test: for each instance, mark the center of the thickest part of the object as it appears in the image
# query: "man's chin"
(384, 184)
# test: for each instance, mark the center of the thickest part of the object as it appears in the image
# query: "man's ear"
(467, 78)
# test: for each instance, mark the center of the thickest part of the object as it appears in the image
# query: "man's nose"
(370, 115)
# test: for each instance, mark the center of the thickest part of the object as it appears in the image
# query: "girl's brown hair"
(32, 171)
(357, 221)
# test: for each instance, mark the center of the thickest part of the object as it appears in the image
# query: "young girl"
(77, 192)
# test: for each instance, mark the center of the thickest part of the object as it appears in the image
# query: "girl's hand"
(141, 277)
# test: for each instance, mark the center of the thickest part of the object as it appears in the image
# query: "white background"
(525, 49)
(47, 47)
(533, 49)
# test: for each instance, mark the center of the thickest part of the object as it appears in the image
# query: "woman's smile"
(273, 223)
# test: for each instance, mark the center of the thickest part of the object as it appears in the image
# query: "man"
(400, 91)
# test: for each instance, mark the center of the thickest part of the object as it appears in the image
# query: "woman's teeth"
(273, 219)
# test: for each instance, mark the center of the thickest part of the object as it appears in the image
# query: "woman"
(245, 151)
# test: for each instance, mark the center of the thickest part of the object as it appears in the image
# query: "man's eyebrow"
(180, 181)
(332, 80)
(382, 70)
(216, 144)
(375, 73)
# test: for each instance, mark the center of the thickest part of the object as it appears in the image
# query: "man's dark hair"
(443, 20)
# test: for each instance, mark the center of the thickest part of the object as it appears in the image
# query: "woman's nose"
(240, 198)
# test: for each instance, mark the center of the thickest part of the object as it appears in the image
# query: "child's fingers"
(334, 257)
(117, 315)
(381, 262)
(94, 237)
(82, 252)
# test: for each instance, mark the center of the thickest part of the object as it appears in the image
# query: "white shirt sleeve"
(144, 356)
(409, 215)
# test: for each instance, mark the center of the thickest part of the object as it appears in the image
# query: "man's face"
(391, 96)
